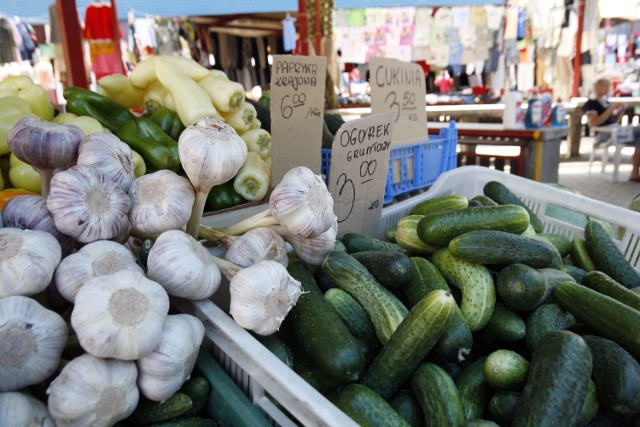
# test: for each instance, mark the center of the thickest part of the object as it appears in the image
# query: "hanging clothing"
(98, 32)
(289, 33)
(7, 41)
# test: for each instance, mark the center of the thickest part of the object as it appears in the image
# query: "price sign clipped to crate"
(297, 113)
(399, 87)
(358, 172)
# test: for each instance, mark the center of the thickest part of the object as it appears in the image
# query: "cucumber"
(407, 406)
(439, 229)
(312, 375)
(557, 383)
(501, 247)
(276, 345)
(440, 204)
(385, 309)
(608, 317)
(356, 242)
(409, 344)
(197, 388)
(390, 234)
(188, 422)
(426, 278)
(339, 246)
(529, 232)
(437, 395)
(149, 412)
(320, 333)
(616, 374)
(562, 243)
(475, 204)
(505, 325)
(591, 404)
(481, 423)
(390, 268)
(600, 282)
(366, 407)
(523, 288)
(407, 236)
(505, 370)
(607, 257)
(484, 200)
(476, 284)
(545, 319)
(503, 405)
(503, 196)
(576, 272)
(580, 256)
(474, 390)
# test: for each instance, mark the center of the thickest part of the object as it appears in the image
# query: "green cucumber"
(474, 390)
(591, 404)
(475, 204)
(276, 345)
(426, 278)
(188, 422)
(576, 272)
(390, 268)
(149, 412)
(484, 200)
(501, 247)
(505, 370)
(390, 234)
(312, 375)
(409, 344)
(523, 288)
(505, 325)
(330, 348)
(503, 196)
(557, 383)
(407, 406)
(562, 243)
(607, 257)
(616, 374)
(407, 236)
(366, 407)
(476, 284)
(339, 246)
(545, 319)
(439, 229)
(440, 204)
(356, 242)
(385, 309)
(580, 256)
(481, 423)
(197, 388)
(437, 395)
(503, 405)
(600, 282)
(529, 232)
(608, 317)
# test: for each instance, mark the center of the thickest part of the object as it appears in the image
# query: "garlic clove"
(162, 373)
(262, 295)
(31, 341)
(20, 409)
(28, 259)
(256, 245)
(312, 251)
(105, 151)
(93, 392)
(120, 315)
(87, 205)
(160, 201)
(98, 258)
(183, 266)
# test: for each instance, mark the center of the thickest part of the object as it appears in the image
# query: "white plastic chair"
(619, 136)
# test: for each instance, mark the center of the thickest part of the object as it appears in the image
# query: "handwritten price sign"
(399, 87)
(358, 173)
(297, 105)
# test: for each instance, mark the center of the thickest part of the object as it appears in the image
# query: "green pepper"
(224, 196)
(109, 113)
(150, 131)
(154, 153)
(168, 121)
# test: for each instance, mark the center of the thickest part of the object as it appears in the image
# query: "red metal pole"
(577, 59)
(71, 35)
(303, 28)
(115, 30)
(318, 27)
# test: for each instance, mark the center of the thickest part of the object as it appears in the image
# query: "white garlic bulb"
(120, 315)
(93, 392)
(163, 372)
(105, 151)
(256, 245)
(312, 251)
(31, 341)
(98, 258)
(160, 201)
(28, 259)
(87, 205)
(183, 266)
(22, 410)
(262, 295)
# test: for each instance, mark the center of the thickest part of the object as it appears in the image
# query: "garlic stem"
(45, 180)
(196, 213)
(227, 268)
(262, 219)
(216, 236)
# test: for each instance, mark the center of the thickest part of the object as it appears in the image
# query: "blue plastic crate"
(412, 167)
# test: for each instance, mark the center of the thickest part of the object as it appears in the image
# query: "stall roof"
(351, 4)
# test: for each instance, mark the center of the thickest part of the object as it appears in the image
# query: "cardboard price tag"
(399, 87)
(358, 172)
(297, 113)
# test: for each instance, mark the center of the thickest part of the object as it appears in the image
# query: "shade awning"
(620, 9)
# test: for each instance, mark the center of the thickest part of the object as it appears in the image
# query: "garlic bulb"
(211, 153)
(45, 146)
(105, 151)
(262, 295)
(256, 245)
(312, 251)
(28, 259)
(93, 392)
(183, 266)
(160, 201)
(98, 258)
(120, 315)
(31, 213)
(31, 341)
(87, 205)
(22, 410)
(163, 372)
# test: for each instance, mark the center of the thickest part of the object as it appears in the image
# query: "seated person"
(601, 113)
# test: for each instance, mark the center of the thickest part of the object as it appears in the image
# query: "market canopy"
(621, 9)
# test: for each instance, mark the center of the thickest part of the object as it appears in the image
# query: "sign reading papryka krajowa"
(358, 172)
(399, 87)
(297, 113)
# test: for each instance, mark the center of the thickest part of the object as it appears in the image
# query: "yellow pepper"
(120, 89)
(12, 109)
(87, 124)
(24, 88)
(22, 175)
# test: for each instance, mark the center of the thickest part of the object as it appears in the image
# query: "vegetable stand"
(264, 377)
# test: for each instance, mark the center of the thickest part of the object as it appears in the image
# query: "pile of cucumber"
(470, 314)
